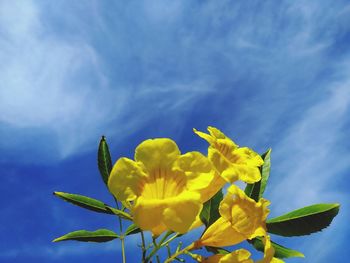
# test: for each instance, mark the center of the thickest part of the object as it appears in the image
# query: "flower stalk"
(180, 252)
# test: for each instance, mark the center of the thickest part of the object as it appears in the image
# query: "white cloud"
(311, 158)
(58, 84)
(312, 151)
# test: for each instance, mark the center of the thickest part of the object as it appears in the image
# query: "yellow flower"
(238, 256)
(241, 218)
(232, 162)
(165, 189)
(243, 256)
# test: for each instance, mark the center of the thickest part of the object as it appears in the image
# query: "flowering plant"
(169, 194)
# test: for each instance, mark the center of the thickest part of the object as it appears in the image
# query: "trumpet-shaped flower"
(232, 162)
(241, 218)
(243, 256)
(237, 256)
(165, 189)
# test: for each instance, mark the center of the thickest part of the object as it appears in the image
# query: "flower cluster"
(165, 190)
(167, 194)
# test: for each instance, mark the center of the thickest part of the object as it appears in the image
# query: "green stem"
(158, 246)
(143, 247)
(121, 232)
(123, 249)
(182, 251)
(165, 237)
(120, 220)
(170, 239)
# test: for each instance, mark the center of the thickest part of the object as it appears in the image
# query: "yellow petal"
(201, 175)
(148, 215)
(157, 153)
(237, 256)
(215, 186)
(218, 160)
(246, 216)
(197, 223)
(181, 211)
(163, 183)
(231, 162)
(269, 252)
(248, 156)
(124, 179)
(232, 172)
(247, 174)
(204, 136)
(216, 133)
(216, 137)
(276, 260)
(176, 213)
(220, 234)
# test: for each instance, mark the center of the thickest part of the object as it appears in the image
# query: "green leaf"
(210, 211)
(280, 251)
(91, 204)
(256, 190)
(303, 221)
(85, 202)
(100, 235)
(104, 160)
(132, 229)
(265, 171)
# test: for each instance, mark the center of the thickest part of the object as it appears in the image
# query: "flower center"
(244, 218)
(226, 151)
(163, 183)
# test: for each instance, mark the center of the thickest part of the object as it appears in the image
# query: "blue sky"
(269, 74)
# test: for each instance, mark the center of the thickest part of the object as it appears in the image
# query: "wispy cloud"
(76, 87)
(312, 162)
(312, 149)
(57, 83)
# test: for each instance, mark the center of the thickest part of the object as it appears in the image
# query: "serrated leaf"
(210, 210)
(303, 221)
(100, 235)
(132, 229)
(256, 190)
(280, 251)
(91, 204)
(104, 160)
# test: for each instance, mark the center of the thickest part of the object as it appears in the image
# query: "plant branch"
(182, 251)
(158, 246)
(123, 249)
